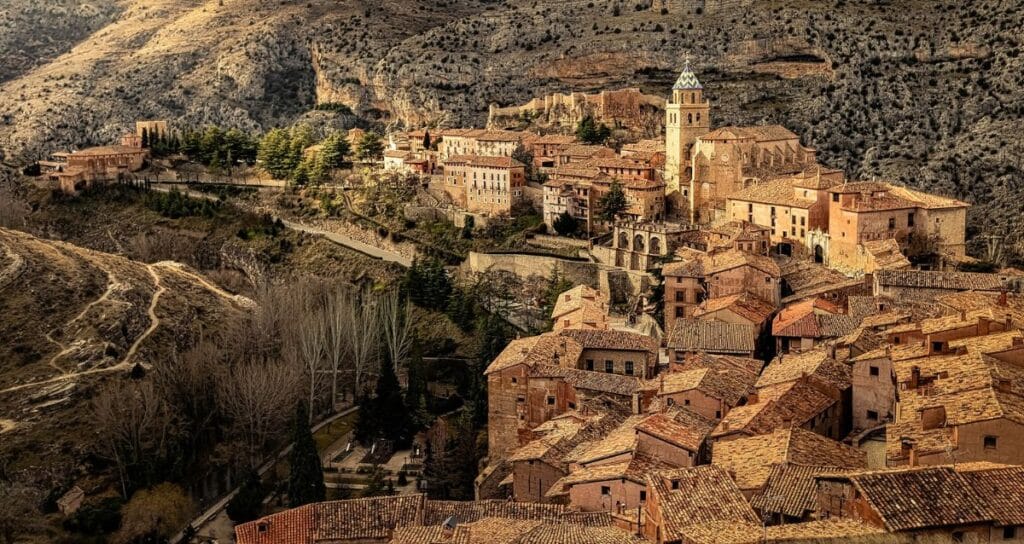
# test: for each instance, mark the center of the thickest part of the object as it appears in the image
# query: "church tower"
(687, 117)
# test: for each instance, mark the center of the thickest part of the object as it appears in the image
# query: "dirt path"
(178, 267)
(7, 425)
(154, 321)
(64, 377)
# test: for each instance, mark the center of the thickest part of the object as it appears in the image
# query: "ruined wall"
(626, 108)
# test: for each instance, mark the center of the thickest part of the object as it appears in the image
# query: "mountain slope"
(72, 316)
(930, 99)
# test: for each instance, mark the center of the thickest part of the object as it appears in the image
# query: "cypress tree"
(426, 139)
(247, 504)
(306, 476)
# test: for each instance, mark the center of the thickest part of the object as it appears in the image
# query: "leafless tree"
(308, 348)
(133, 426)
(396, 321)
(257, 397)
(151, 247)
(364, 337)
(12, 210)
(189, 382)
(337, 309)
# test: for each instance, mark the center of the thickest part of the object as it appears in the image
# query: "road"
(340, 239)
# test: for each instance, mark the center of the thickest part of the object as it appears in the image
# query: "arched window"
(689, 118)
(698, 118)
(623, 241)
(693, 98)
(638, 243)
(655, 246)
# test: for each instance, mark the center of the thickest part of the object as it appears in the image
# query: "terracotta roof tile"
(954, 281)
(694, 496)
(712, 336)
(613, 340)
(751, 458)
(545, 349)
(791, 489)
(816, 362)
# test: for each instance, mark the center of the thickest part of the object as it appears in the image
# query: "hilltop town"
(668, 329)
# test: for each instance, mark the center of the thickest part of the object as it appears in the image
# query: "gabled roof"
(745, 305)
(817, 362)
(1002, 492)
(617, 340)
(693, 496)
(752, 458)
(678, 426)
(953, 281)
(728, 386)
(778, 406)
(791, 489)
(746, 365)
(545, 349)
(917, 499)
(712, 336)
(368, 519)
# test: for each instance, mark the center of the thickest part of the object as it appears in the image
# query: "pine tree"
(306, 476)
(589, 132)
(565, 224)
(274, 152)
(247, 504)
(426, 139)
(612, 203)
(335, 149)
(370, 147)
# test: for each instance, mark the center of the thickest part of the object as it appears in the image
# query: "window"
(958, 536)
(520, 399)
(892, 223)
(872, 415)
(675, 484)
(670, 402)
(590, 364)
(873, 371)
(803, 221)
(936, 346)
(609, 366)
(629, 368)
(643, 497)
(572, 405)
(515, 380)
(679, 312)
(835, 197)
(910, 219)
(551, 401)
(686, 402)
(990, 442)
(605, 490)
(1008, 532)
(718, 414)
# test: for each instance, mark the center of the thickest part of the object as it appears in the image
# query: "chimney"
(1002, 297)
(984, 325)
(963, 315)
(1004, 385)
(752, 398)
(661, 386)
(915, 376)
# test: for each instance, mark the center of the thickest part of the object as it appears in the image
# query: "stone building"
(581, 307)
(642, 245)
(687, 117)
(715, 275)
(471, 141)
(693, 505)
(707, 392)
(791, 206)
(82, 169)
(485, 184)
(873, 211)
(728, 159)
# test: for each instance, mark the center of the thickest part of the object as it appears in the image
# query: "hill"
(929, 100)
(95, 315)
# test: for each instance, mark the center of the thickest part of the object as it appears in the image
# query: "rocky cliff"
(923, 92)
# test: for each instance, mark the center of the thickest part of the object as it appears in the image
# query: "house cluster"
(826, 414)
(892, 415)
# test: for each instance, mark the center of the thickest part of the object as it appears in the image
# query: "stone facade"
(485, 184)
(687, 117)
(74, 171)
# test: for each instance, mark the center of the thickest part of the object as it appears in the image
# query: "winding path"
(154, 321)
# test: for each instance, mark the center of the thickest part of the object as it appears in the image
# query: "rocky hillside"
(923, 92)
(94, 316)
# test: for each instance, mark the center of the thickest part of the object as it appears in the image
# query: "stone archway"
(623, 241)
(655, 245)
(819, 254)
(638, 243)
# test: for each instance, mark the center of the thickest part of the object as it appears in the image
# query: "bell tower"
(687, 117)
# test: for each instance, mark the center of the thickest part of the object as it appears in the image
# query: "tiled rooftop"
(712, 336)
(751, 458)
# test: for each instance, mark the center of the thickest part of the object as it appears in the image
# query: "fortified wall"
(624, 108)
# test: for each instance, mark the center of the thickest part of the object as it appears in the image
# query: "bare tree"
(364, 337)
(189, 383)
(133, 426)
(396, 321)
(309, 350)
(257, 397)
(337, 309)
(12, 210)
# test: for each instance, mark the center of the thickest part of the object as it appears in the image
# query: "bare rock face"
(922, 93)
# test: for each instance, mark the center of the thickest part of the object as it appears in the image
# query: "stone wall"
(627, 108)
(524, 266)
